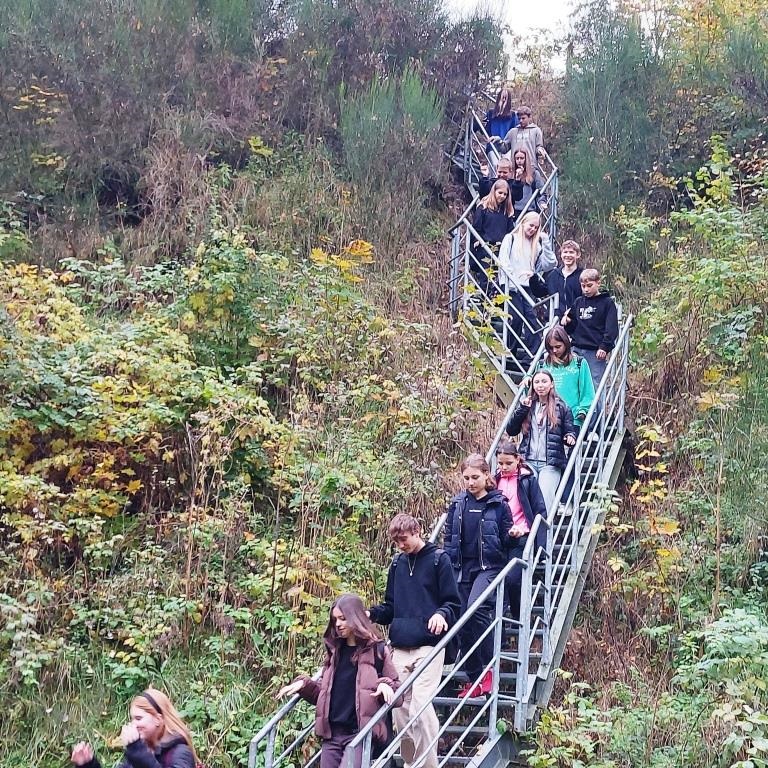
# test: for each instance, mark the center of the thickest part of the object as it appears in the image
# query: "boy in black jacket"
(593, 324)
(421, 602)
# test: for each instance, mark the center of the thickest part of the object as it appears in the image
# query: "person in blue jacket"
(476, 539)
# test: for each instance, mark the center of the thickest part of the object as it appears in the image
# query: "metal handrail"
(547, 574)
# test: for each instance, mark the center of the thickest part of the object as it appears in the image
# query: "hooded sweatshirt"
(573, 383)
(529, 138)
(418, 586)
(593, 322)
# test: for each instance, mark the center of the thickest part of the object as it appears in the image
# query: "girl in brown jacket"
(356, 660)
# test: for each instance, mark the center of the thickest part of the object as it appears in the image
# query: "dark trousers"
(514, 578)
(518, 310)
(469, 591)
(333, 749)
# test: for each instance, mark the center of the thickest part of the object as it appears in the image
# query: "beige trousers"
(418, 735)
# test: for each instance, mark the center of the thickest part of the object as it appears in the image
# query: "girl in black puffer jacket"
(546, 423)
(476, 539)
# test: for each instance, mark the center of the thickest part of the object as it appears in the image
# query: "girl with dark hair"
(526, 180)
(155, 736)
(546, 424)
(517, 481)
(571, 375)
(357, 662)
(500, 120)
(476, 539)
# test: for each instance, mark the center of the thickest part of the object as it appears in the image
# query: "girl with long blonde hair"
(155, 734)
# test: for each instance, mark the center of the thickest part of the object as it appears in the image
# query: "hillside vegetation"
(225, 360)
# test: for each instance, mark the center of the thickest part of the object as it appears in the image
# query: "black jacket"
(492, 226)
(418, 586)
(494, 529)
(568, 288)
(555, 437)
(171, 752)
(594, 322)
(532, 502)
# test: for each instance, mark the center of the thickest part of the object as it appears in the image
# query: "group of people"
(488, 524)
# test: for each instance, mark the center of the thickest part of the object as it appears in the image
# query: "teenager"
(593, 324)
(155, 736)
(546, 424)
(476, 539)
(517, 481)
(564, 281)
(357, 677)
(526, 180)
(421, 602)
(525, 257)
(492, 221)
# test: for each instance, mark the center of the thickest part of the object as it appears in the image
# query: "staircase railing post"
(523, 647)
(493, 711)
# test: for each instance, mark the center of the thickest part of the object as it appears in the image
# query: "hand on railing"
(386, 693)
(290, 689)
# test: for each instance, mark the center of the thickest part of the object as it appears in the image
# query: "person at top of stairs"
(357, 676)
(421, 602)
(525, 134)
(500, 120)
(476, 539)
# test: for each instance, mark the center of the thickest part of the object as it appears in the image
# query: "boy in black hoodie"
(593, 324)
(421, 602)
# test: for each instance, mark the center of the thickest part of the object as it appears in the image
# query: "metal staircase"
(485, 732)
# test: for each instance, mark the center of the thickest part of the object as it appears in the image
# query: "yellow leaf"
(133, 486)
(664, 526)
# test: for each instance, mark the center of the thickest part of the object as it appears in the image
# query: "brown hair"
(589, 274)
(558, 333)
(155, 702)
(503, 106)
(477, 461)
(527, 168)
(403, 525)
(508, 448)
(353, 608)
(550, 404)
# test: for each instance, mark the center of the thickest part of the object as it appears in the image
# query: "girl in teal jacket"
(571, 375)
